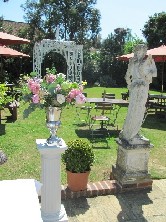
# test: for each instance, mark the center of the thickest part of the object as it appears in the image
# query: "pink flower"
(73, 93)
(35, 98)
(34, 86)
(58, 88)
(30, 82)
(50, 78)
(68, 100)
(80, 99)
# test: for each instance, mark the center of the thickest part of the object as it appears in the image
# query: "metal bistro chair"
(125, 95)
(99, 122)
(83, 112)
(108, 95)
(114, 110)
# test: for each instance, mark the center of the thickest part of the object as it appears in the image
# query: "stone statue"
(138, 77)
(3, 157)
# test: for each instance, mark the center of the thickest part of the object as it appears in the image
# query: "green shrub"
(4, 98)
(79, 157)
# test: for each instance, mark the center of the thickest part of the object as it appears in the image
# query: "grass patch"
(17, 140)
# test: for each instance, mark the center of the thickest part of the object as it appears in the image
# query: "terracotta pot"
(77, 181)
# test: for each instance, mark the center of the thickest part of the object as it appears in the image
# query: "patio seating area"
(157, 104)
(99, 115)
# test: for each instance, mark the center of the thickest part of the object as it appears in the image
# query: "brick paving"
(106, 203)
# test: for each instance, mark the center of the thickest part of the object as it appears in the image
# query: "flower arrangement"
(53, 90)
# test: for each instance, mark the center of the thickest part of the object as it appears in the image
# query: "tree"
(155, 33)
(111, 70)
(77, 20)
(155, 30)
(91, 65)
(129, 45)
(1, 23)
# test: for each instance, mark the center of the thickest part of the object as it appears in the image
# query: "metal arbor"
(68, 49)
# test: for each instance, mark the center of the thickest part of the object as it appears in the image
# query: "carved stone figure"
(138, 77)
(3, 157)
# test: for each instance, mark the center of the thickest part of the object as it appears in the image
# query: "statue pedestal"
(51, 208)
(131, 169)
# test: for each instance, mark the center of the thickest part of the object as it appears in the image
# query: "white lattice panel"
(72, 53)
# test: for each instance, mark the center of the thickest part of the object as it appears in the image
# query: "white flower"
(60, 98)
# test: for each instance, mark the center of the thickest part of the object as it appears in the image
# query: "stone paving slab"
(139, 206)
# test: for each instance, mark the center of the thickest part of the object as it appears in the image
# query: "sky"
(132, 14)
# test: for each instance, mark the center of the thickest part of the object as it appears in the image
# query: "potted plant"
(78, 159)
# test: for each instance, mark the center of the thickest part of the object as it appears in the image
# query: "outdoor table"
(112, 101)
(119, 102)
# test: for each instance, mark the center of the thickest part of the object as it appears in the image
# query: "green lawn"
(17, 140)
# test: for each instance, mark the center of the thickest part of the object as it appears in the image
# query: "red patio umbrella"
(8, 52)
(7, 39)
(158, 54)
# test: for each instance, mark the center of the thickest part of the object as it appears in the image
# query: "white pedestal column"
(51, 208)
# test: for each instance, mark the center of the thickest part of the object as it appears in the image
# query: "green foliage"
(79, 156)
(1, 22)
(129, 45)
(91, 66)
(4, 98)
(77, 20)
(154, 30)
(110, 49)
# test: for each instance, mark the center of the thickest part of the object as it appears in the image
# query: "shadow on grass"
(97, 141)
(9, 119)
(83, 124)
(2, 129)
(83, 133)
(86, 133)
(154, 121)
